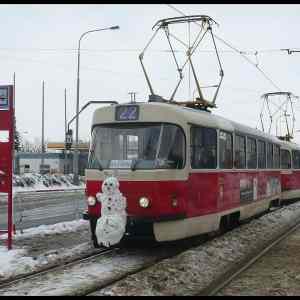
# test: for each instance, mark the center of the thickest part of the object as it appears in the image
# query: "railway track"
(55, 267)
(219, 284)
(105, 267)
(149, 258)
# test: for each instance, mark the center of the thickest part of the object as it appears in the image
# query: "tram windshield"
(137, 146)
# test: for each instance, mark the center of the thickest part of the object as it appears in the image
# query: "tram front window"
(138, 146)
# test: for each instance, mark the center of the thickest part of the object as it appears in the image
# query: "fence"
(31, 209)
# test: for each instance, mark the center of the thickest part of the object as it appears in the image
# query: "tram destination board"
(127, 113)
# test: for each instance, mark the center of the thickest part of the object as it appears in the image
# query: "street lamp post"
(65, 152)
(76, 154)
(43, 126)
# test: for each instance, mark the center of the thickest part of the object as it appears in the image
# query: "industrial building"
(56, 160)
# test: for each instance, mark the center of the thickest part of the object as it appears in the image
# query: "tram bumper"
(145, 227)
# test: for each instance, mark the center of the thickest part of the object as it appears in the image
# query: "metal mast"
(277, 116)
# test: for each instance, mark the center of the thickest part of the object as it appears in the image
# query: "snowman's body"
(112, 223)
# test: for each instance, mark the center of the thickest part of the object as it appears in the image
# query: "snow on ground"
(192, 271)
(17, 261)
(14, 262)
(183, 274)
(44, 230)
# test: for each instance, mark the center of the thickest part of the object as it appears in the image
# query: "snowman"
(111, 225)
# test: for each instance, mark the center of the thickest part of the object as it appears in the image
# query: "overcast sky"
(39, 43)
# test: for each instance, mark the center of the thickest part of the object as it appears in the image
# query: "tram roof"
(182, 115)
(289, 145)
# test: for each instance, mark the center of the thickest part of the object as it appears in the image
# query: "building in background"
(56, 160)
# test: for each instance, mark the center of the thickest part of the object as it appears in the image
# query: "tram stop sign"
(6, 137)
(6, 150)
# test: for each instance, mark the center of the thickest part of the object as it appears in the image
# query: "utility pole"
(65, 164)
(76, 150)
(15, 165)
(14, 88)
(43, 121)
(132, 96)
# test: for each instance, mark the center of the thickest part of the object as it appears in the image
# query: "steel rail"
(225, 279)
(8, 282)
(212, 289)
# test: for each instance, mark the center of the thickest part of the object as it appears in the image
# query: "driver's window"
(132, 147)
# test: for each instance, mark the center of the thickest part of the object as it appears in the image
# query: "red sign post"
(6, 152)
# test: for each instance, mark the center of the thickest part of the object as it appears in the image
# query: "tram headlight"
(144, 202)
(91, 201)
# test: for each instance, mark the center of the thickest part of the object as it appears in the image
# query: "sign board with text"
(7, 149)
(6, 137)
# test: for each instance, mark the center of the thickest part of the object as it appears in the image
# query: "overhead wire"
(243, 54)
(63, 66)
(236, 50)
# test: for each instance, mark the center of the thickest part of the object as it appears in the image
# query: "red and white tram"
(186, 171)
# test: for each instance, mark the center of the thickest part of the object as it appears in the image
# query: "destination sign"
(127, 113)
(4, 103)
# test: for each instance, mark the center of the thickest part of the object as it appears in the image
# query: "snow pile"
(33, 181)
(15, 262)
(44, 230)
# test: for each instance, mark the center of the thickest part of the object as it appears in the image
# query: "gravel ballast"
(192, 271)
(277, 273)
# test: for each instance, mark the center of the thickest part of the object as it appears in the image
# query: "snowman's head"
(110, 185)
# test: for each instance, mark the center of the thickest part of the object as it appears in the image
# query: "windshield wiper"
(100, 166)
(133, 164)
(94, 157)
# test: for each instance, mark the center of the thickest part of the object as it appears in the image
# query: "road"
(32, 209)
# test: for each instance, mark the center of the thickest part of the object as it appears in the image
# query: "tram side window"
(269, 156)
(240, 152)
(261, 149)
(251, 153)
(226, 152)
(203, 148)
(296, 159)
(285, 158)
(276, 164)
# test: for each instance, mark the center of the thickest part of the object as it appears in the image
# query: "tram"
(185, 171)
